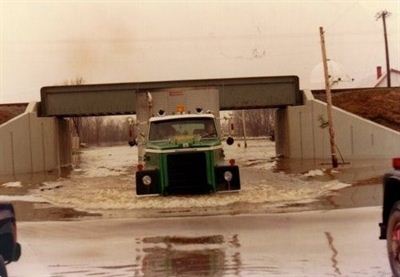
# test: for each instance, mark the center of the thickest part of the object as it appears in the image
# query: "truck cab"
(390, 225)
(183, 154)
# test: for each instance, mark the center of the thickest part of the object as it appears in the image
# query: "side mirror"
(230, 140)
(132, 142)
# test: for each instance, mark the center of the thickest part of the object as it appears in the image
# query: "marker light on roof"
(161, 112)
(180, 109)
(199, 110)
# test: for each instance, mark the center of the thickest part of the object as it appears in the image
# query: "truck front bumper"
(148, 181)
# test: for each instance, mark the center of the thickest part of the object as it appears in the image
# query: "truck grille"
(187, 173)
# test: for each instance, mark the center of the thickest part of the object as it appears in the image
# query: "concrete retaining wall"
(30, 144)
(356, 137)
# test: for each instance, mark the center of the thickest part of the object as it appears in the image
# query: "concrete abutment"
(30, 144)
(302, 133)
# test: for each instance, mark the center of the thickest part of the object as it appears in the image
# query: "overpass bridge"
(39, 139)
(119, 99)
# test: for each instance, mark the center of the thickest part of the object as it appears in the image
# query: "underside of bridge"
(117, 99)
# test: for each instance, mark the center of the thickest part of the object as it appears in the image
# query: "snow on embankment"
(113, 187)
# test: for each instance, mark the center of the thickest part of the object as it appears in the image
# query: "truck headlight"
(146, 179)
(228, 176)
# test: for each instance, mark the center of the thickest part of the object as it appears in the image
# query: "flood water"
(315, 243)
(364, 175)
(101, 183)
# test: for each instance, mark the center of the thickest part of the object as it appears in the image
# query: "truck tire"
(393, 239)
(3, 270)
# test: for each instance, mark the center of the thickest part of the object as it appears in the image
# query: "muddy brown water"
(213, 255)
(42, 211)
(188, 256)
(365, 177)
(39, 211)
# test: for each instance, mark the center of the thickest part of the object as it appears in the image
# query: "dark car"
(390, 225)
(10, 249)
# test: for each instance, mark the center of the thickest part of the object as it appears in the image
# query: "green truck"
(180, 144)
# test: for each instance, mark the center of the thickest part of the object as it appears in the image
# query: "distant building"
(338, 77)
(380, 79)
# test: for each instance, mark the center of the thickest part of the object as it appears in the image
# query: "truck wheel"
(393, 239)
(3, 270)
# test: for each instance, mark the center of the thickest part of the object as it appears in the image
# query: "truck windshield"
(182, 127)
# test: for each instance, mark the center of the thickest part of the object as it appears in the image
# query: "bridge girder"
(120, 98)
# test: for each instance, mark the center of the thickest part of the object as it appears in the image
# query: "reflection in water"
(186, 240)
(189, 256)
(85, 270)
(334, 253)
(215, 255)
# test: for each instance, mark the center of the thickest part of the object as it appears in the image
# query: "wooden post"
(328, 100)
(12, 153)
(383, 15)
(244, 129)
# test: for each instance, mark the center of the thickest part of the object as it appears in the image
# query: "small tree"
(76, 121)
(259, 122)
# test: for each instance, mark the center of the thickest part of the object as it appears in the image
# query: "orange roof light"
(180, 108)
(232, 162)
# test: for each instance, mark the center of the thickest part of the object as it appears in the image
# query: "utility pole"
(230, 125)
(328, 99)
(244, 129)
(383, 15)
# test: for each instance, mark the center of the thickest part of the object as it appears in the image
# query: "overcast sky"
(49, 42)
